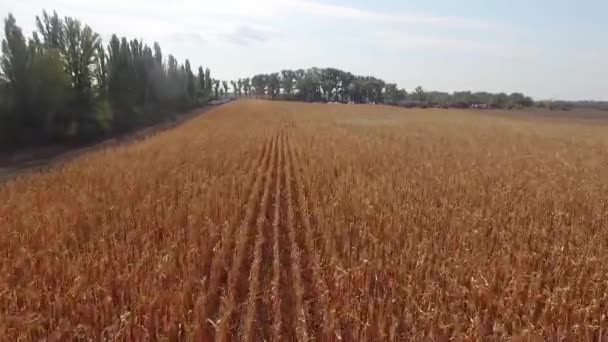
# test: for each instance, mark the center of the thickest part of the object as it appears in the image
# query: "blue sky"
(547, 49)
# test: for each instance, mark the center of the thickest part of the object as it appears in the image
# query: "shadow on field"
(40, 158)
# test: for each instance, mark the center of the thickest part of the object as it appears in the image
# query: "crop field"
(284, 221)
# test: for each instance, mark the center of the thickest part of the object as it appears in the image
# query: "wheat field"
(283, 221)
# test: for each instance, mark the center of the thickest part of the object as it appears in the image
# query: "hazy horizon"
(548, 50)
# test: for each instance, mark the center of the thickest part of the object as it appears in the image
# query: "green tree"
(176, 85)
(356, 89)
(520, 100)
(374, 88)
(158, 55)
(14, 63)
(225, 87)
(191, 86)
(420, 94)
(208, 79)
(346, 79)
(62, 83)
(101, 71)
(104, 112)
(79, 46)
(36, 85)
(247, 85)
(138, 74)
(120, 84)
(51, 29)
(501, 100)
(50, 93)
(216, 87)
(315, 84)
(201, 80)
(234, 87)
(437, 97)
(287, 81)
(259, 83)
(330, 79)
(391, 93)
(308, 84)
(527, 102)
(273, 84)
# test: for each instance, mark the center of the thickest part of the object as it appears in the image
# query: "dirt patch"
(576, 115)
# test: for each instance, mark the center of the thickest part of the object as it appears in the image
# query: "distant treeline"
(568, 105)
(64, 84)
(331, 84)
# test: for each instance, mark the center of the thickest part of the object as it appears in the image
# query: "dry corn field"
(281, 221)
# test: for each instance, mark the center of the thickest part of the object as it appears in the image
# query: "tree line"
(64, 84)
(331, 84)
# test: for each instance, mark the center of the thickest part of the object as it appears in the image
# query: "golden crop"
(289, 221)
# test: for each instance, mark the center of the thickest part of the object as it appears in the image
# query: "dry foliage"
(286, 221)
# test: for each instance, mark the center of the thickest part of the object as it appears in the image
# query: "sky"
(548, 49)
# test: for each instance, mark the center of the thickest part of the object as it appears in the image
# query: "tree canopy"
(65, 84)
(331, 84)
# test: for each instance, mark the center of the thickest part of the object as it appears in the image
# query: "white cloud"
(193, 38)
(237, 20)
(345, 12)
(246, 34)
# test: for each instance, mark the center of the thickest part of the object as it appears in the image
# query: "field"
(288, 221)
